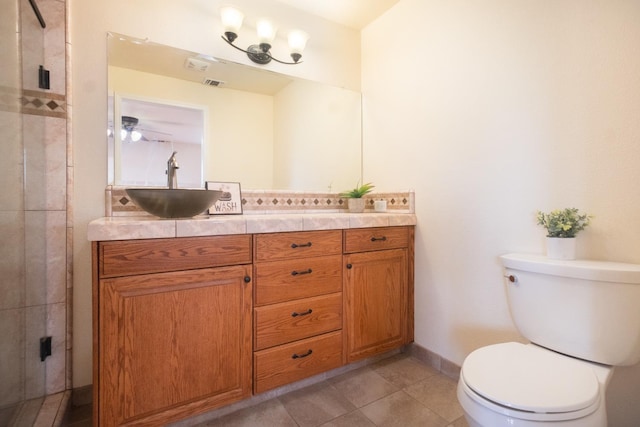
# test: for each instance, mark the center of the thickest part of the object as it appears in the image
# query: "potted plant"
(354, 196)
(562, 227)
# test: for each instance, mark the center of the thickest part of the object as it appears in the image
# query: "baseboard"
(434, 360)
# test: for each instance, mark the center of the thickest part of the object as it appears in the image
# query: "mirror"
(260, 128)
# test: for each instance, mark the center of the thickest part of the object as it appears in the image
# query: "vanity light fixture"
(232, 21)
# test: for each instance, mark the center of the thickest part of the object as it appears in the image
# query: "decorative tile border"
(117, 203)
(33, 102)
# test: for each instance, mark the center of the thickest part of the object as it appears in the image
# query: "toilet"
(582, 319)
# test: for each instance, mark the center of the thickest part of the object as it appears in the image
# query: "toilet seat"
(529, 382)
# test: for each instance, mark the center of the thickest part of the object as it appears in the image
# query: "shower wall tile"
(55, 364)
(32, 46)
(44, 47)
(11, 162)
(48, 376)
(12, 261)
(54, 42)
(35, 373)
(46, 162)
(46, 248)
(9, 19)
(12, 354)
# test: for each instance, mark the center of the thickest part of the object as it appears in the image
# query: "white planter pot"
(356, 205)
(561, 247)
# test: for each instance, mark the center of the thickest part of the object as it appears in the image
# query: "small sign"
(230, 202)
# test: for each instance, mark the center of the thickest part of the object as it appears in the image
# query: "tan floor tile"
(363, 386)
(315, 404)
(267, 414)
(352, 419)
(438, 393)
(402, 371)
(460, 422)
(401, 410)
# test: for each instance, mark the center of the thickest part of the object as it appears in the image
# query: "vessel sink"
(173, 202)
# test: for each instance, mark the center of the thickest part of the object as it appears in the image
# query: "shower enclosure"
(34, 268)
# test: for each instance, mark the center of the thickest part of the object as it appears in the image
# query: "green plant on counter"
(359, 191)
(563, 222)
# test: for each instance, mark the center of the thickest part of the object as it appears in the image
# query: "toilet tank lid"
(605, 271)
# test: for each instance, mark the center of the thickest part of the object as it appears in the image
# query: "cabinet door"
(375, 298)
(174, 344)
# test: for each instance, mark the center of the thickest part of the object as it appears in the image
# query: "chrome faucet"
(172, 175)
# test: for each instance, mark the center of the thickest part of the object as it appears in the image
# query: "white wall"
(492, 110)
(332, 56)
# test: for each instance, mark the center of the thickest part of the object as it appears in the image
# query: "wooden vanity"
(184, 325)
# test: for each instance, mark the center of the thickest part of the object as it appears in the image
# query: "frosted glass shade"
(231, 19)
(266, 31)
(297, 41)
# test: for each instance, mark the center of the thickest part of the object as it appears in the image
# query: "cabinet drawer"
(277, 246)
(279, 281)
(129, 257)
(373, 239)
(292, 362)
(282, 323)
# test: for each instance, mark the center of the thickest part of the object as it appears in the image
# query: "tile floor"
(397, 391)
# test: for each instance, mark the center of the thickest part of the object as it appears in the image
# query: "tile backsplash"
(117, 203)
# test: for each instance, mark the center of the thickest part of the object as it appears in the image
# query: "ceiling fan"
(130, 131)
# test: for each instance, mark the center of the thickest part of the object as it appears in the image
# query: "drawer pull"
(300, 356)
(307, 271)
(379, 239)
(301, 245)
(304, 313)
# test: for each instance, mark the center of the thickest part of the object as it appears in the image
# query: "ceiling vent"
(212, 82)
(196, 65)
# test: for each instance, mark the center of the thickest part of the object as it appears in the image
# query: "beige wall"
(332, 56)
(492, 110)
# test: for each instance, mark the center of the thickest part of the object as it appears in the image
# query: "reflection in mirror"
(263, 129)
(150, 130)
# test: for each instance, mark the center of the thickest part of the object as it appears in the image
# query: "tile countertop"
(147, 227)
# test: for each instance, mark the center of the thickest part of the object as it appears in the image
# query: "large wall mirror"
(260, 128)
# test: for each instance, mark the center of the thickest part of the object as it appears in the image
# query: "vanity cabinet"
(297, 306)
(172, 327)
(185, 325)
(378, 290)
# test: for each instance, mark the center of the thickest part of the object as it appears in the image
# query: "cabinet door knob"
(300, 245)
(300, 356)
(247, 279)
(349, 266)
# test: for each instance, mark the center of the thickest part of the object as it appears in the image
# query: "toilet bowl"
(582, 320)
(514, 384)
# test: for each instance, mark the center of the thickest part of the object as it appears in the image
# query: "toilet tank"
(582, 308)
